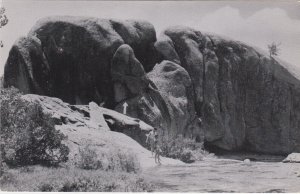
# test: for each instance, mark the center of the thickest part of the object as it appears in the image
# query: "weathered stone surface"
(27, 68)
(187, 42)
(175, 86)
(128, 75)
(96, 115)
(245, 99)
(81, 130)
(166, 48)
(292, 158)
(131, 85)
(69, 57)
(150, 97)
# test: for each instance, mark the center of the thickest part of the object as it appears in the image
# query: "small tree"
(274, 49)
(3, 21)
(27, 134)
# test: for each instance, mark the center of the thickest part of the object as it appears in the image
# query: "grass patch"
(112, 159)
(38, 178)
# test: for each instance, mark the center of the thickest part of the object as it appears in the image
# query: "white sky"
(254, 22)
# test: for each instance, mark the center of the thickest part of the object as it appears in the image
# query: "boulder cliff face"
(175, 86)
(161, 98)
(239, 97)
(69, 57)
(246, 100)
(80, 60)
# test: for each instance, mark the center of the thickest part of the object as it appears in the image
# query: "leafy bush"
(28, 135)
(113, 159)
(74, 179)
(179, 147)
(88, 159)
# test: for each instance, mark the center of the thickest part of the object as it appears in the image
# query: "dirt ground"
(228, 175)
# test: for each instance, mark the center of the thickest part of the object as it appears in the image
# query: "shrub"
(88, 159)
(179, 147)
(28, 135)
(112, 159)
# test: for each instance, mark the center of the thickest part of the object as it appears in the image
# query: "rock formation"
(292, 158)
(241, 98)
(81, 130)
(69, 57)
(128, 75)
(174, 84)
(150, 97)
(245, 99)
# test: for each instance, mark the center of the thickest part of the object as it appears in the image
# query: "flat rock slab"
(292, 158)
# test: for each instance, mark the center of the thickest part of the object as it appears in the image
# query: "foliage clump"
(112, 159)
(28, 135)
(182, 148)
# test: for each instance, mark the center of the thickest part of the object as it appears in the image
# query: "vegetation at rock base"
(182, 148)
(28, 135)
(38, 178)
(111, 160)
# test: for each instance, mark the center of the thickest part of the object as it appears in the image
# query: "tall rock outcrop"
(128, 75)
(69, 57)
(161, 98)
(175, 86)
(246, 100)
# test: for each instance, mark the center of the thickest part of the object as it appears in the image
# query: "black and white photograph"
(150, 96)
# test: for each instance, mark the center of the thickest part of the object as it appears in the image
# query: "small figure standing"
(151, 141)
(157, 149)
(157, 154)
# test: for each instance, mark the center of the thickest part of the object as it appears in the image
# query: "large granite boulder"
(161, 98)
(69, 57)
(128, 75)
(175, 86)
(245, 99)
